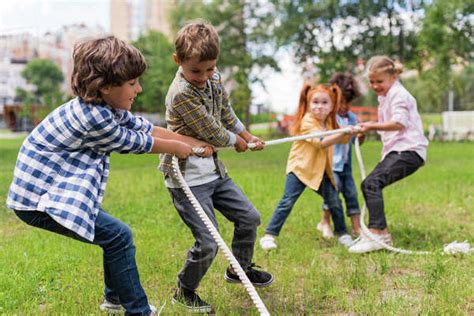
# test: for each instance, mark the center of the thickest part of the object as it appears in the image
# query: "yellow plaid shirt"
(204, 114)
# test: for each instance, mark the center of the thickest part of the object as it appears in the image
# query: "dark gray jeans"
(226, 197)
(395, 166)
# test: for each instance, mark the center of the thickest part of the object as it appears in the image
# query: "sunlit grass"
(44, 273)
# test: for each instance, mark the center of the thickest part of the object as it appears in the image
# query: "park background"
(268, 49)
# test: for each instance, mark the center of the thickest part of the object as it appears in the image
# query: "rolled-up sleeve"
(196, 117)
(400, 111)
(107, 135)
(306, 128)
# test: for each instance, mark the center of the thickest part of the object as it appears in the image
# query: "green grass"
(47, 274)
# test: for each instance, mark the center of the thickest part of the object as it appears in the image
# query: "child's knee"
(124, 236)
(208, 250)
(368, 184)
(252, 219)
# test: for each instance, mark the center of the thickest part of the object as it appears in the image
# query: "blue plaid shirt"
(63, 165)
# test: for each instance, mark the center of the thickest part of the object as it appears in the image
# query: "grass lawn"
(44, 273)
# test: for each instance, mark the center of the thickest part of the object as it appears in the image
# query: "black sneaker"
(257, 277)
(191, 301)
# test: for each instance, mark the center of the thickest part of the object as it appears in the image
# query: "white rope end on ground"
(458, 247)
(452, 248)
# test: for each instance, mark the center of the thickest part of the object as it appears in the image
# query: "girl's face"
(343, 108)
(320, 105)
(381, 82)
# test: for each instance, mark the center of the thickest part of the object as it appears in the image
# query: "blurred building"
(129, 19)
(16, 50)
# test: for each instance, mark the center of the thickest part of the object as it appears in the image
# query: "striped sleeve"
(107, 135)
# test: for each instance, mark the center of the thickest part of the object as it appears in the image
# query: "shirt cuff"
(149, 143)
(232, 139)
(238, 127)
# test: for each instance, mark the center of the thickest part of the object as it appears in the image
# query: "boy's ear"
(105, 90)
(176, 60)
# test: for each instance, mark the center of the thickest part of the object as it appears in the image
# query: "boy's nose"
(139, 88)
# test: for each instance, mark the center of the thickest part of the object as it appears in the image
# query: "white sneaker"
(366, 244)
(345, 240)
(110, 307)
(267, 242)
(114, 309)
(326, 230)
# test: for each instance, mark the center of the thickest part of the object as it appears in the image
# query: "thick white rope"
(452, 248)
(218, 239)
(295, 138)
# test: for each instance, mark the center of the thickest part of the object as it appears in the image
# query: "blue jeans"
(346, 185)
(293, 189)
(122, 282)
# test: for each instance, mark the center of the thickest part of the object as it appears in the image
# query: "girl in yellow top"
(310, 161)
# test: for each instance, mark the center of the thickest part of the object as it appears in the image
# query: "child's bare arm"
(175, 147)
(340, 138)
(376, 126)
(165, 134)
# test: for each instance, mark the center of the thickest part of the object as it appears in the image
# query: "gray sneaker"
(111, 308)
(345, 240)
(115, 309)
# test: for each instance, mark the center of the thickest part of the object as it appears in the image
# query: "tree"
(47, 78)
(160, 73)
(333, 34)
(240, 41)
(45, 75)
(446, 39)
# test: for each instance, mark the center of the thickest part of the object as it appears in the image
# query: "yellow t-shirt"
(307, 160)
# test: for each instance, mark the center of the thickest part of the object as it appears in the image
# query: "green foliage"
(44, 74)
(155, 82)
(335, 34)
(238, 44)
(47, 77)
(42, 273)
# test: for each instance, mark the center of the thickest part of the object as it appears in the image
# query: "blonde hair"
(101, 63)
(383, 64)
(199, 39)
(306, 94)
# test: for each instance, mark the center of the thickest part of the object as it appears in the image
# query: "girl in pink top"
(404, 145)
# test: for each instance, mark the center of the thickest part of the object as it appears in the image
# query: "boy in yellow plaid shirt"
(197, 105)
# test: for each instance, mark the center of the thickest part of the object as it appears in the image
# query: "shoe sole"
(268, 283)
(112, 311)
(192, 309)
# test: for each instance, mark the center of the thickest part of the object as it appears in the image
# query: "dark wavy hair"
(348, 85)
(104, 62)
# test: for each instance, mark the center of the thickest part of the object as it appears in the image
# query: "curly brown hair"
(104, 62)
(197, 39)
(348, 85)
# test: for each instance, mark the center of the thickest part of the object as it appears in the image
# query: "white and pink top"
(400, 106)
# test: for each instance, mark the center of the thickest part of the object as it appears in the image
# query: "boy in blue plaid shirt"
(197, 105)
(63, 165)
